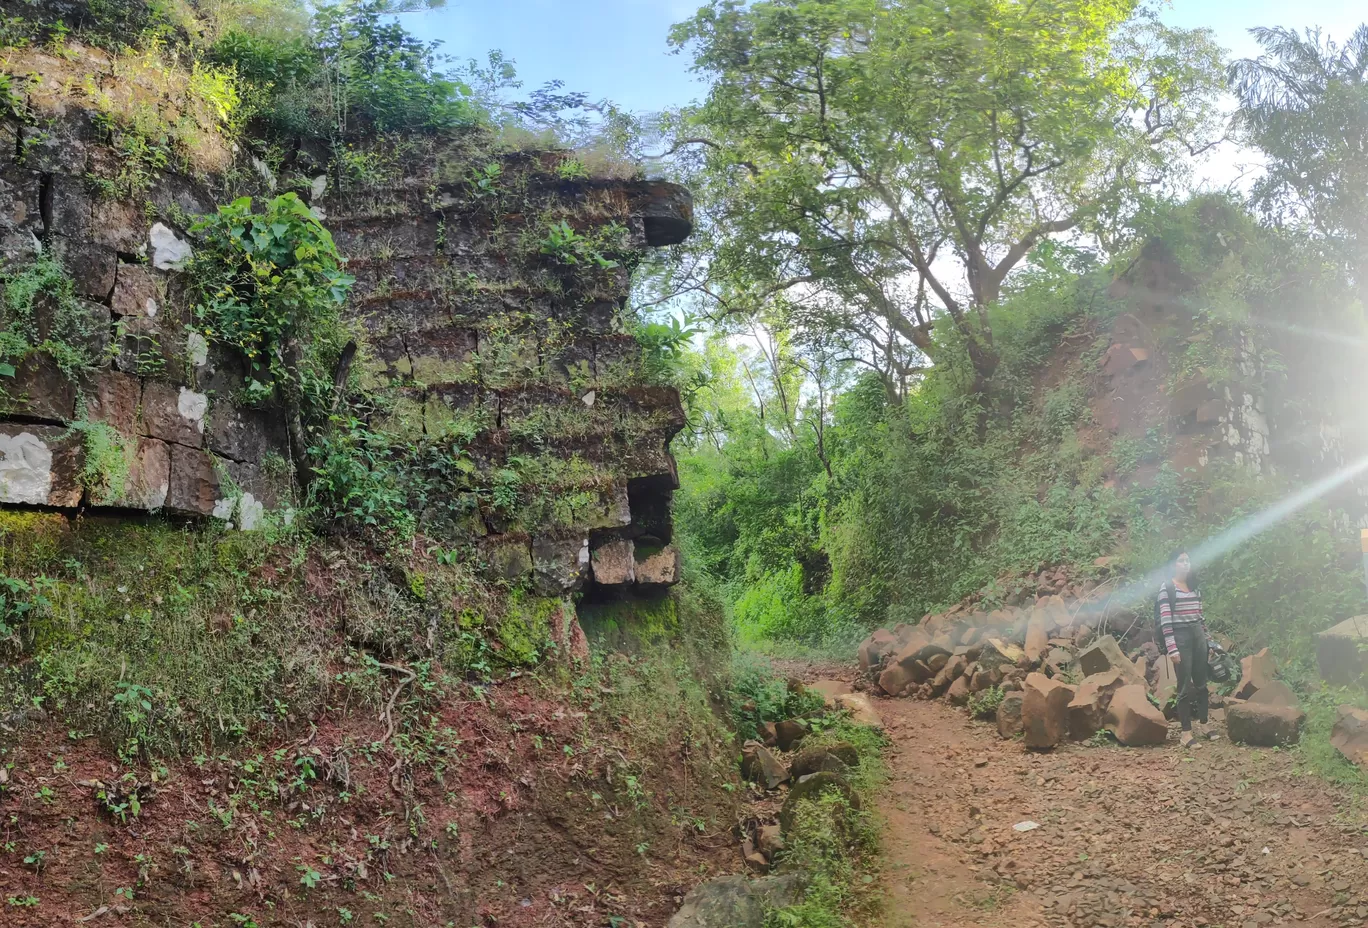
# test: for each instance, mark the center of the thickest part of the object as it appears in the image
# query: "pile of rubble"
(1045, 674)
(779, 760)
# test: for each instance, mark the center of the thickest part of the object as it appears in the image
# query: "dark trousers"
(1192, 674)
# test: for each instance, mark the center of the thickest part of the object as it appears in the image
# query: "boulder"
(767, 734)
(789, 732)
(1088, 708)
(875, 648)
(1342, 651)
(955, 667)
(937, 663)
(895, 679)
(860, 709)
(770, 840)
(1256, 671)
(811, 787)
(737, 901)
(1105, 654)
(1037, 634)
(1264, 725)
(1009, 715)
(1132, 719)
(1276, 693)
(1045, 711)
(1165, 680)
(833, 758)
(759, 765)
(830, 689)
(981, 680)
(958, 693)
(1350, 734)
(995, 653)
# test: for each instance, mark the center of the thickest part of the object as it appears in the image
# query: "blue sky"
(616, 49)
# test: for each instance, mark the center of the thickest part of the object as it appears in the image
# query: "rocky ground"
(1222, 835)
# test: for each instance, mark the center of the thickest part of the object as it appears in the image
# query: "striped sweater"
(1186, 610)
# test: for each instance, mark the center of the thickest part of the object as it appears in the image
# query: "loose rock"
(1264, 725)
(1045, 711)
(1132, 719)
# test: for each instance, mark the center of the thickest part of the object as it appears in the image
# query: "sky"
(616, 49)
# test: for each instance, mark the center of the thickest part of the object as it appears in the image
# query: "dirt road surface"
(1222, 836)
(1219, 836)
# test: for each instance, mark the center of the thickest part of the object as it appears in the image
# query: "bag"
(1221, 666)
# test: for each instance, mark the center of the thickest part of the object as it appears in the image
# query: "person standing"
(1185, 639)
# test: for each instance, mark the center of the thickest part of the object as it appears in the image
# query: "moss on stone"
(526, 628)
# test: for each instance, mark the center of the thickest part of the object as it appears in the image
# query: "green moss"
(631, 625)
(525, 630)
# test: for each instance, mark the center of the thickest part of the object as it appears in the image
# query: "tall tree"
(881, 162)
(1304, 103)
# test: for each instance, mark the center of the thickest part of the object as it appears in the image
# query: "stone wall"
(470, 330)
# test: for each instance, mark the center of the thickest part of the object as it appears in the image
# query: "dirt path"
(1222, 837)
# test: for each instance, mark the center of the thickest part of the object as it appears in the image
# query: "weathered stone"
(174, 414)
(1275, 693)
(860, 708)
(1133, 720)
(937, 662)
(136, 292)
(559, 564)
(812, 787)
(40, 465)
(1264, 725)
(995, 653)
(91, 267)
(1350, 734)
(789, 732)
(958, 693)
(247, 434)
(666, 211)
(955, 667)
(193, 488)
(113, 398)
(39, 389)
(1045, 711)
(770, 840)
(1342, 651)
(1009, 715)
(1088, 708)
(655, 565)
(836, 758)
(613, 563)
(1105, 654)
(830, 689)
(1256, 671)
(759, 765)
(509, 558)
(875, 648)
(1166, 679)
(981, 680)
(737, 901)
(148, 482)
(168, 250)
(895, 679)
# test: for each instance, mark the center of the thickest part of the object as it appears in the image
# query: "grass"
(836, 845)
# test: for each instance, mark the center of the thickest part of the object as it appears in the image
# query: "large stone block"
(193, 488)
(1349, 735)
(559, 565)
(614, 563)
(1045, 711)
(40, 465)
(174, 413)
(1264, 725)
(1105, 654)
(148, 482)
(246, 434)
(137, 291)
(39, 389)
(113, 398)
(1342, 651)
(1088, 708)
(1133, 720)
(875, 648)
(1256, 672)
(656, 565)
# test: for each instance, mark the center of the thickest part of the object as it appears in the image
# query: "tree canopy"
(872, 165)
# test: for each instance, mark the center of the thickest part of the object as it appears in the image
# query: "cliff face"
(487, 312)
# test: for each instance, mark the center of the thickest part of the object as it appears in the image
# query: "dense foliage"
(830, 487)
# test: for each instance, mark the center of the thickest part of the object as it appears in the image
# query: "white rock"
(25, 469)
(168, 251)
(223, 509)
(250, 512)
(318, 186)
(193, 406)
(197, 347)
